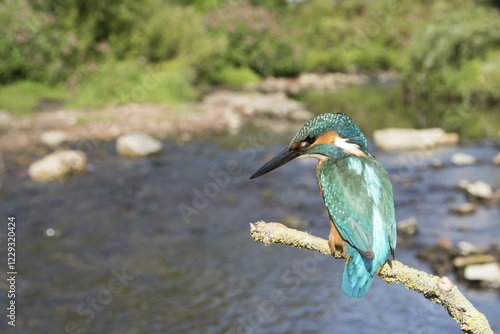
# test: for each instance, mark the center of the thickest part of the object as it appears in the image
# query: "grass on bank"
(24, 97)
(108, 84)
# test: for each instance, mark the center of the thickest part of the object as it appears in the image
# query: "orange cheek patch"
(295, 145)
(332, 138)
(328, 137)
(318, 167)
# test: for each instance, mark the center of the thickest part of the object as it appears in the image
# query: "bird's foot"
(335, 242)
(336, 250)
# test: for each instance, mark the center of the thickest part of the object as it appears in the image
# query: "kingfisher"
(357, 192)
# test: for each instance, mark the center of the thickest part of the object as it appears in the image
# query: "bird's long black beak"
(279, 160)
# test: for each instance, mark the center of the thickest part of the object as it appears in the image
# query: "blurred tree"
(257, 41)
(446, 56)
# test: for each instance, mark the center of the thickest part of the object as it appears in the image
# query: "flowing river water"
(161, 244)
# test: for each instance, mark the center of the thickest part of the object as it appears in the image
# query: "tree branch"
(439, 290)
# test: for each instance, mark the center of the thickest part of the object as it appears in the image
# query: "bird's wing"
(356, 192)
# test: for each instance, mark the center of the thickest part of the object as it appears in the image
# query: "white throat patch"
(320, 157)
(350, 148)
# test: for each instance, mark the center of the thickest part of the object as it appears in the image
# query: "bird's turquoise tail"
(358, 275)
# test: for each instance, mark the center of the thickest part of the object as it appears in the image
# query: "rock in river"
(58, 165)
(477, 189)
(6, 120)
(407, 227)
(294, 221)
(467, 248)
(274, 105)
(496, 159)
(463, 209)
(487, 272)
(391, 139)
(137, 145)
(437, 163)
(462, 159)
(313, 81)
(53, 138)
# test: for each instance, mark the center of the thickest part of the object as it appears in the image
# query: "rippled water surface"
(124, 260)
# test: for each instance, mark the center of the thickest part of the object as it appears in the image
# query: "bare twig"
(441, 291)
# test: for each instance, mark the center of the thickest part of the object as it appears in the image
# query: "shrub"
(49, 40)
(176, 32)
(256, 40)
(446, 57)
(28, 96)
(28, 48)
(235, 76)
(354, 35)
(179, 33)
(127, 82)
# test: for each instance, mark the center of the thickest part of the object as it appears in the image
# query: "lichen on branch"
(441, 291)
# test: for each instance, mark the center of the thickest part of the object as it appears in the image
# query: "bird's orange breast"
(335, 240)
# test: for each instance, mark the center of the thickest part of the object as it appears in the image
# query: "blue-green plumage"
(357, 192)
(358, 195)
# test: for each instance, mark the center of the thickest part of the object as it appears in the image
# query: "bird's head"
(326, 136)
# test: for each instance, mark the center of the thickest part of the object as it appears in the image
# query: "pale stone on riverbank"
(392, 139)
(53, 138)
(487, 272)
(478, 189)
(236, 109)
(315, 81)
(496, 159)
(220, 112)
(137, 145)
(58, 165)
(463, 209)
(407, 227)
(463, 159)
(5, 120)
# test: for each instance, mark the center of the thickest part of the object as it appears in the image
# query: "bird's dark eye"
(308, 141)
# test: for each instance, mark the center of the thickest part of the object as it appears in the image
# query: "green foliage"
(449, 58)
(257, 41)
(453, 53)
(354, 35)
(110, 83)
(28, 96)
(235, 76)
(204, 5)
(74, 44)
(131, 82)
(28, 49)
(49, 40)
(176, 32)
(96, 27)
